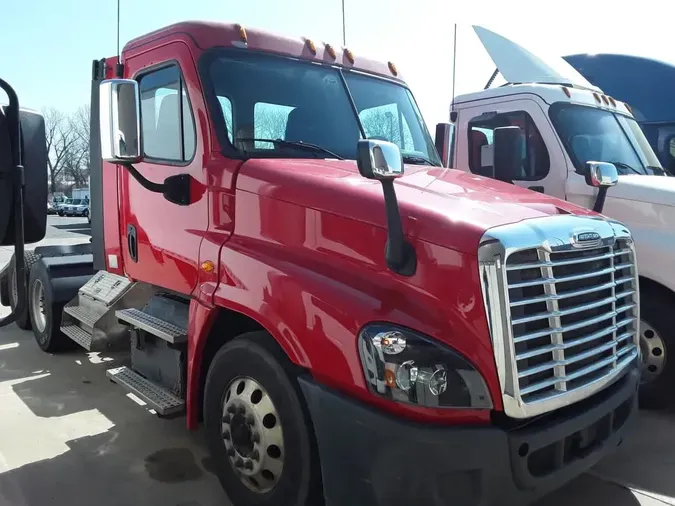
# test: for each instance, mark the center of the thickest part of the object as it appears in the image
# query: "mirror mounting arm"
(399, 253)
(175, 189)
(16, 179)
(600, 200)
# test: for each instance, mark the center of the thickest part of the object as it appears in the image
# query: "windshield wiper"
(417, 160)
(295, 144)
(660, 170)
(626, 166)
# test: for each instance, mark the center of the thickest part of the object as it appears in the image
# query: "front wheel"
(257, 429)
(657, 346)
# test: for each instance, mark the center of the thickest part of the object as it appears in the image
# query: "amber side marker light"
(566, 91)
(604, 99)
(612, 101)
(393, 69)
(208, 266)
(242, 34)
(349, 55)
(331, 51)
(597, 98)
(628, 107)
(311, 46)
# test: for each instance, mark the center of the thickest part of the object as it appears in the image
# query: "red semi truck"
(277, 244)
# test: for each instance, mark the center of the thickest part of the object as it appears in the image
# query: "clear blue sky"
(48, 45)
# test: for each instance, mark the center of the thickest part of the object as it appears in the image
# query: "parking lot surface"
(69, 436)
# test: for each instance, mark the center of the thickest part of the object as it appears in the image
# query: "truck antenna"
(453, 114)
(344, 32)
(119, 68)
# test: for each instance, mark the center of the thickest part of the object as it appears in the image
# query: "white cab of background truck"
(566, 122)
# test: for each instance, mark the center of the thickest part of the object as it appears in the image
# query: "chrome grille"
(562, 310)
(573, 316)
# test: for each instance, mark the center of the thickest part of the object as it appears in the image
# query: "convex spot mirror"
(601, 174)
(120, 121)
(379, 160)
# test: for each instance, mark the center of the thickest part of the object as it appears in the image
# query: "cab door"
(161, 240)
(543, 168)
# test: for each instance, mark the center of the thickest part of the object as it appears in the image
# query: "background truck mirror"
(120, 121)
(601, 175)
(33, 147)
(443, 142)
(379, 159)
(508, 150)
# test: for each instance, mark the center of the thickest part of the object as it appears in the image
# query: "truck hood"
(518, 65)
(653, 189)
(448, 207)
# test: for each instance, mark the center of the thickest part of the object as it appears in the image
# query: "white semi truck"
(563, 123)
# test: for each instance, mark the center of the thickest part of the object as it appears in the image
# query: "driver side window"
(535, 158)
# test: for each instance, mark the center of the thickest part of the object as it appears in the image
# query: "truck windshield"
(263, 98)
(591, 134)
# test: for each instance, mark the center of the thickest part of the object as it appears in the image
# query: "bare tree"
(60, 139)
(76, 164)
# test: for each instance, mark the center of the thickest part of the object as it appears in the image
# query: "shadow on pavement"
(646, 460)
(76, 228)
(70, 436)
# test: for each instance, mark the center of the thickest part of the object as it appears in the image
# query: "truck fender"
(67, 274)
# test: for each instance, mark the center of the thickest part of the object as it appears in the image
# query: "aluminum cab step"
(161, 400)
(153, 325)
(79, 335)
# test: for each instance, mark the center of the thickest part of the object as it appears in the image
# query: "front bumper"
(372, 459)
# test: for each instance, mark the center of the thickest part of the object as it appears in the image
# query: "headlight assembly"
(408, 367)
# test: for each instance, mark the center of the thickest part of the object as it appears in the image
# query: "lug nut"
(227, 418)
(242, 410)
(248, 465)
(255, 455)
(230, 452)
(250, 420)
(255, 437)
(231, 409)
(239, 463)
(226, 436)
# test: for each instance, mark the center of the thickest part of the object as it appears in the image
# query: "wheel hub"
(252, 435)
(653, 352)
(37, 300)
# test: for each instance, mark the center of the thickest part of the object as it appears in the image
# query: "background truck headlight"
(408, 367)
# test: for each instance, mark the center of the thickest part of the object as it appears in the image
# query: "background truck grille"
(573, 316)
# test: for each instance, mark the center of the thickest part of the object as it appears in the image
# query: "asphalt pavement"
(70, 437)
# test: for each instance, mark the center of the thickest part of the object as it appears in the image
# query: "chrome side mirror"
(601, 174)
(379, 159)
(120, 121)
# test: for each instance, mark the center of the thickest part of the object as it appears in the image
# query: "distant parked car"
(76, 207)
(51, 208)
(89, 212)
(61, 204)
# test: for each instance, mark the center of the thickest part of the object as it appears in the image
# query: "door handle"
(132, 242)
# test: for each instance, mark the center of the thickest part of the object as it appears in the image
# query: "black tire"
(30, 259)
(656, 310)
(48, 337)
(251, 356)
